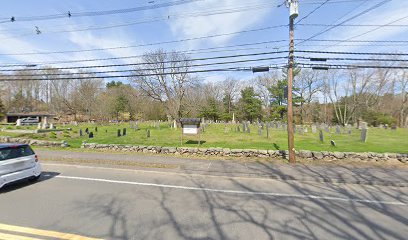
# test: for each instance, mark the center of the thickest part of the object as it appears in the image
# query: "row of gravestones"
(363, 136)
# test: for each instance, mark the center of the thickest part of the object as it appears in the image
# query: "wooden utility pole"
(293, 6)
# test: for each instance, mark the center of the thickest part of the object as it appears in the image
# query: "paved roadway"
(111, 203)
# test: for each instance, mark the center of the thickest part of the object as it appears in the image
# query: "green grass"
(379, 140)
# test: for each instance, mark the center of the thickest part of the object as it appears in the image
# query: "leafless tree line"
(163, 88)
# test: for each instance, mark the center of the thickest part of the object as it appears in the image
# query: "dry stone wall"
(226, 152)
(33, 142)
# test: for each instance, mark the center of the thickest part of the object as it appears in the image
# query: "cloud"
(215, 24)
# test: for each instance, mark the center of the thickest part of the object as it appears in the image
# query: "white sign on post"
(190, 129)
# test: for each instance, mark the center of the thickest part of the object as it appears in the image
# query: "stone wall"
(226, 152)
(33, 142)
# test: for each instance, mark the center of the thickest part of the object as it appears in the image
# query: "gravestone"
(119, 133)
(326, 128)
(39, 126)
(363, 136)
(244, 127)
(314, 129)
(106, 130)
(248, 129)
(86, 130)
(333, 143)
(96, 129)
(394, 127)
(148, 133)
(91, 135)
(349, 132)
(363, 125)
(321, 137)
(338, 130)
(124, 132)
(174, 124)
(80, 132)
(259, 131)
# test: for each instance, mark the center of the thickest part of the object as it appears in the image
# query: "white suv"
(17, 162)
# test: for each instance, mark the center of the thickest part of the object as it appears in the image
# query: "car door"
(16, 158)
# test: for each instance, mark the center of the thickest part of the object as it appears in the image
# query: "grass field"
(225, 136)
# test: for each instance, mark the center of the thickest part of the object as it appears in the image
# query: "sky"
(189, 19)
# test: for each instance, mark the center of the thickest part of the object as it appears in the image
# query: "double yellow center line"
(14, 233)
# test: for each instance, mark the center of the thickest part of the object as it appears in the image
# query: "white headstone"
(51, 126)
(39, 126)
(314, 128)
(174, 124)
(18, 122)
(233, 118)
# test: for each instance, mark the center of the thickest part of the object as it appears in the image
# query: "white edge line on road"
(196, 174)
(236, 191)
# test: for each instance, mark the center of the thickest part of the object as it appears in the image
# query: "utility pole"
(293, 9)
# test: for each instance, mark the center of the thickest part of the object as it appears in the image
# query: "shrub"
(376, 118)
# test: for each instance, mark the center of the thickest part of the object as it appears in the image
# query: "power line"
(70, 14)
(351, 25)
(135, 75)
(144, 69)
(150, 44)
(356, 59)
(347, 20)
(154, 19)
(354, 53)
(347, 66)
(372, 30)
(313, 11)
(147, 63)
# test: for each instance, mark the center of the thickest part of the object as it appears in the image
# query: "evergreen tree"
(211, 110)
(279, 93)
(251, 105)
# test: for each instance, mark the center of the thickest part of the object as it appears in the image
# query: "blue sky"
(21, 37)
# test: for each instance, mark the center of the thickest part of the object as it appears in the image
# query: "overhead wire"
(347, 20)
(72, 14)
(145, 69)
(313, 11)
(149, 44)
(135, 75)
(146, 63)
(151, 20)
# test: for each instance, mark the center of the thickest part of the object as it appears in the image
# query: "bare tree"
(403, 108)
(164, 77)
(308, 84)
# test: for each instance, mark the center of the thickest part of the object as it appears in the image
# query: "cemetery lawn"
(226, 136)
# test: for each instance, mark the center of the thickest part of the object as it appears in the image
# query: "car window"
(15, 152)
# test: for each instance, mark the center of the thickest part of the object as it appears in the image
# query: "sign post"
(190, 126)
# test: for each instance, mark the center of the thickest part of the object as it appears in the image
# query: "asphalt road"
(113, 203)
